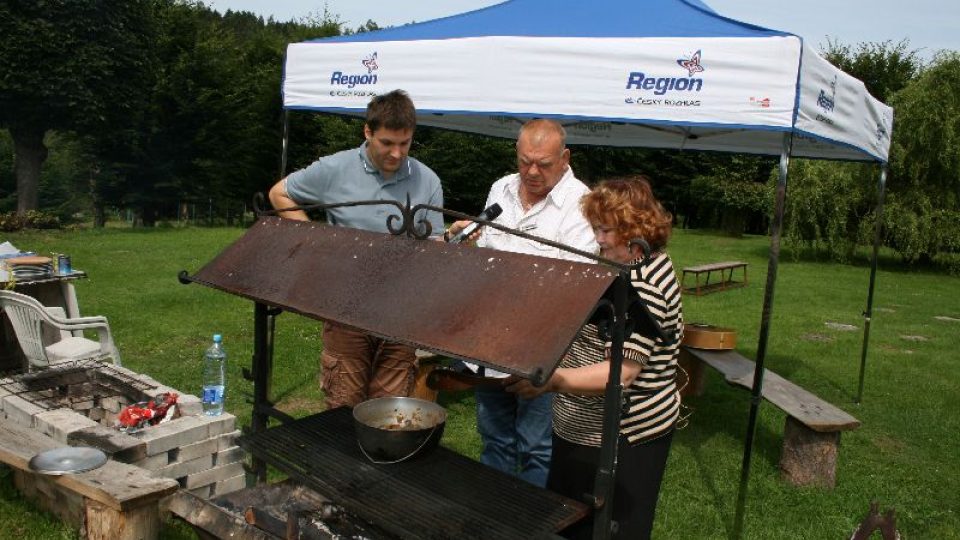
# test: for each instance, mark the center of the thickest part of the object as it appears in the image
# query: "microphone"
(489, 214)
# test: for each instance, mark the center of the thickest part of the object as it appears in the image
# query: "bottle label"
(212, 394)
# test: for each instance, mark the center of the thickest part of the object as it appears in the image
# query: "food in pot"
(394, 429)
(404, 423)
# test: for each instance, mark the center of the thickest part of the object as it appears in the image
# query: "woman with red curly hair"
(619, 211)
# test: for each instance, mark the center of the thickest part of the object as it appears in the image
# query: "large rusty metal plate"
(514, 312)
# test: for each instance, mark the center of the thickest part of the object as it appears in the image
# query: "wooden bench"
(726, 276)
(116, 501)
(811, 438)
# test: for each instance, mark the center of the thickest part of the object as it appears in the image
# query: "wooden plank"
(106, 523)
(715, 266)
(212, 519)
(116, 485)
(812, 411)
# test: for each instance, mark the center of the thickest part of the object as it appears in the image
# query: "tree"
(924, 221)
(831, 206)
(885, 68)
(73, 65)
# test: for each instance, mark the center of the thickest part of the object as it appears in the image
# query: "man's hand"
(459, 226)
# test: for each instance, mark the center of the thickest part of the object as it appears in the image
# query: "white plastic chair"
(28, 316)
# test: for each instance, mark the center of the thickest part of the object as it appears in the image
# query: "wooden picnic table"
(725, 268)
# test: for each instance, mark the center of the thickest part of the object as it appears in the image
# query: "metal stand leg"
(263, 326)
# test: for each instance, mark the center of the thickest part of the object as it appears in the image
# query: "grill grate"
(439, 495)
(68, 384)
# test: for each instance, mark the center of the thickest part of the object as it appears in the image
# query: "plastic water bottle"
(214, 377)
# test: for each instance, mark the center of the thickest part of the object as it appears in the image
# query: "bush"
(33, 219)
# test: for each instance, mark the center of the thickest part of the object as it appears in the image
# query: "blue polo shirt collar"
(402, 173)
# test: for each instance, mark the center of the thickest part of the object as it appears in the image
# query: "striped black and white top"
(652, 401)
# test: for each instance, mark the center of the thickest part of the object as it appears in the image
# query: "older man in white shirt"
(542, 199)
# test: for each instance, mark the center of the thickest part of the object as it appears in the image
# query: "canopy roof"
(653, 73)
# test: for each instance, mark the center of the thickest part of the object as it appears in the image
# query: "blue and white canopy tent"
(631, 73)
(654, 73)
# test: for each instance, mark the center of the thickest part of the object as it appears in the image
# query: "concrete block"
(114, 403)
(85, 405)
(174, 434)
(3, 393)
(185, 468)
(153, 463)
(203, 491)
(229, 455)
(107, 368)
(189, 405)
(95, 414)
(216, 474)
(227, 440)
(20, 410)
(60, 423)
(225, 423)
(195, 450)
(160, 389)
(149, 381)
(229, 485)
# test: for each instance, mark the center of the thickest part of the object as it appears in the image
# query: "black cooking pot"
(395, 429)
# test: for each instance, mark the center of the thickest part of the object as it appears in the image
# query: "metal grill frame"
(422, 498)
(617, 303)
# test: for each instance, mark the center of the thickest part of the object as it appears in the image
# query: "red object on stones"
(139, 415)
(134, 416)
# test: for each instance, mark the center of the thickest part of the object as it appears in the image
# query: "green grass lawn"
(901, 456)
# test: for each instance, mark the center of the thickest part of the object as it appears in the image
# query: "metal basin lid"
(68, 460)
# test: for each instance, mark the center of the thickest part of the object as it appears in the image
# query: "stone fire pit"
(78, 404)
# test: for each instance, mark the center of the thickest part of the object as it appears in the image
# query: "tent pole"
(868, 314)
(285, 143)
(755, 393)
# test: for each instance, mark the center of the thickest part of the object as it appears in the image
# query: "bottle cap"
(217, 338)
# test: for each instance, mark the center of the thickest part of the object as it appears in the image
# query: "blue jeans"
(516, 433)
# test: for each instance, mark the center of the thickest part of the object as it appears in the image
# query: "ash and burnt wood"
(67, 385)
(514, 312)
(210, 520)
(290, 510)
(438, 495)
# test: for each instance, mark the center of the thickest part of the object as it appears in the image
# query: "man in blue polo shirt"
(357, 366)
